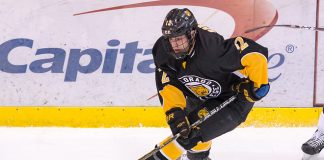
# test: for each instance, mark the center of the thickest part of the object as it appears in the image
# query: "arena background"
(89, 63)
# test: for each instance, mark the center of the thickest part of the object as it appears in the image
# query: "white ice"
(132, 143)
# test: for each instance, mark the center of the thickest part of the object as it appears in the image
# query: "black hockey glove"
(178, 122)
(250, 93)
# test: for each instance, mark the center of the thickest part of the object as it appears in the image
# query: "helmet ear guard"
(179, 22)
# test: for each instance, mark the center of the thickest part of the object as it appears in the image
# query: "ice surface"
(132, 143)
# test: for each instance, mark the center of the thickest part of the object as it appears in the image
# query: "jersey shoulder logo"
(203, 88)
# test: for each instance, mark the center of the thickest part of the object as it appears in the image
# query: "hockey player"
(316, 143)
(194, 71)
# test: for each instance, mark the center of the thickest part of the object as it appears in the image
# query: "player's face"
(179, 44)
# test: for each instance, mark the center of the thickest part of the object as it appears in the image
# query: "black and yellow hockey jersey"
(208, 71)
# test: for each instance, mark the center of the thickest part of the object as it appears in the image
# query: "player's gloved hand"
(252, 94)
(178, 122)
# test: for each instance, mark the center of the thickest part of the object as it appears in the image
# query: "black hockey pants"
(221, 122)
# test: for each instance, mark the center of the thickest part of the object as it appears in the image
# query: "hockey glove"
(178, 122)
(252, 94)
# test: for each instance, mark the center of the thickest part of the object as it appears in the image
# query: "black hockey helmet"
(179, 22)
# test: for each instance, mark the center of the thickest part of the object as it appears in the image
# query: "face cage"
(180, 55)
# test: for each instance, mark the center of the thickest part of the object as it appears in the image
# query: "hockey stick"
(287, 26)
(210, 113)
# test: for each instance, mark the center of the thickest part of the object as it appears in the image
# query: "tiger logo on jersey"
(200, 90)
(203, 88)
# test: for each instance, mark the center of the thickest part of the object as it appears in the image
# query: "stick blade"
(148, 155)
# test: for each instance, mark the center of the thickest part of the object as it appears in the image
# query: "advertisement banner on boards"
(84, 53)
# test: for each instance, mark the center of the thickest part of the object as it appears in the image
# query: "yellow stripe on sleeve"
(202, 146)
(172, 97)
(255, 67)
